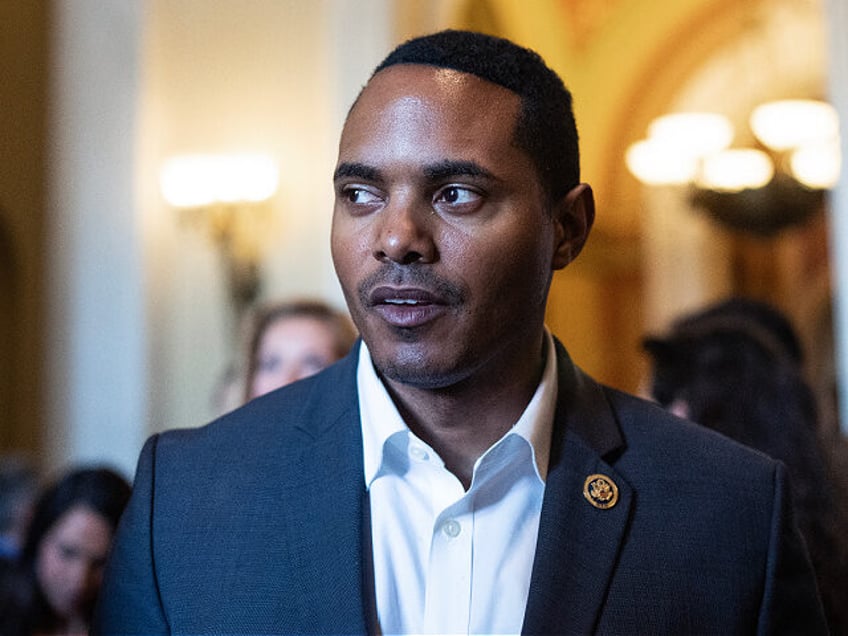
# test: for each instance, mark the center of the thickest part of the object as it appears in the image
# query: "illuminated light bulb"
(657, 163)
(694, 134)
(183, 181)
(736, 170)
(817, 165)
(200, 180)
(789, 123)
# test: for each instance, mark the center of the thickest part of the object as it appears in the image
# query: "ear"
(574, 214)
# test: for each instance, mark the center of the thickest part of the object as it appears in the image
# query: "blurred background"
(129, 250)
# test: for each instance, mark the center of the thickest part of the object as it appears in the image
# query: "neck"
(462, 421)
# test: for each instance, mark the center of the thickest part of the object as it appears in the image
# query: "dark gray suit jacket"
(257, 524)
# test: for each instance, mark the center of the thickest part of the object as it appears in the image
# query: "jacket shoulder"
(296, 413)
(653, 434)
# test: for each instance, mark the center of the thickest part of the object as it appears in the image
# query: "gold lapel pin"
(600, 491)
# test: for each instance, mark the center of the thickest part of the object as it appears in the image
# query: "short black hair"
(545, 129)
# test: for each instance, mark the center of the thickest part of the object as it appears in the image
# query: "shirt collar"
(378, 413)
(381, 420)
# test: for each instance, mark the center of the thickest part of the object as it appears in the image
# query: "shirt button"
(452, 528)
(418, 453)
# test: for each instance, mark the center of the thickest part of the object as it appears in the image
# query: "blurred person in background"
(54, 589)
(289, 341)
(18, 489)
(737, 367)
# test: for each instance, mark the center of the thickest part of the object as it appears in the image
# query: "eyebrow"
(357, 170)
(433, 172)
(447, 168)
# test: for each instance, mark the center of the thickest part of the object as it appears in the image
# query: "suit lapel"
(578, 543)
(326, 529)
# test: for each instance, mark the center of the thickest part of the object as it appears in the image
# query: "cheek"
(344, 239)
(341, 263)
(266, 381)
(515, 270)
(262, 380)
(49, 563)
(531, 256)
(52, 572)
(352, 257)
(353, 238)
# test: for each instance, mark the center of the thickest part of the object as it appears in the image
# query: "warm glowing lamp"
(760, 190)
(817, 165)
(735, 170)
(692, 134)
(657, 163)
(789, 123)
(224, 196)
(193, 181)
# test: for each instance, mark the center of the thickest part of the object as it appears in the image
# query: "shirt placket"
(448, 595)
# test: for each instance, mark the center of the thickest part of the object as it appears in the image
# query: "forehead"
(82, 525)
(298, 322)
(430, 108)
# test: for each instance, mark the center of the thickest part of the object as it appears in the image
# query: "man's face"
(441, 237)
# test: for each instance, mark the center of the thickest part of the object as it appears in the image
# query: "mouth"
(406, 307)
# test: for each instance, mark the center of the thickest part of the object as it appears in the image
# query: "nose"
(405, 234)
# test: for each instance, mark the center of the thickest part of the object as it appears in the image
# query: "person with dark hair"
(544, 126)
(736, 367)
(456, 472)
(66, 546)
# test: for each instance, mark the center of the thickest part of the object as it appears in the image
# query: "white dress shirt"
(447, 561)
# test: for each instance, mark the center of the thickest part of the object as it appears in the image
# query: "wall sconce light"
(226, 197)
(760, 189)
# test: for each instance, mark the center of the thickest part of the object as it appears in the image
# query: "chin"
(417, 372)
(416, 378)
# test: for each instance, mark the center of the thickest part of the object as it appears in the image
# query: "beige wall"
(96, 337)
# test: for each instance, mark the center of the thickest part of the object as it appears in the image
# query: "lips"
(405, 297)
(387, 294)
(406, 307)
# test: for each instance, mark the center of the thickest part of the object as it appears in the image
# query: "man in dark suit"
(456, 473)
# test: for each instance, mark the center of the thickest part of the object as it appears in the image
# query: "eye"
(458, 199)
(68, 553)
(456, 195)
(267, 364)
(359, 195)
